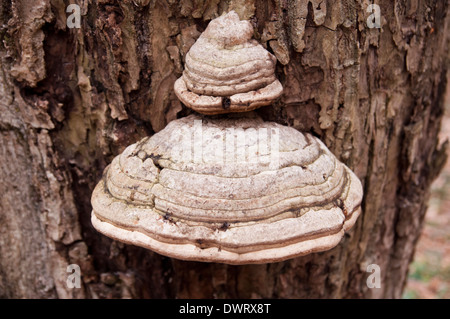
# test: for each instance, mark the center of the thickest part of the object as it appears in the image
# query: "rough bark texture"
(72, 99)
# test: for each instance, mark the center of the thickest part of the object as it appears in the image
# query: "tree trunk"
(73, 98)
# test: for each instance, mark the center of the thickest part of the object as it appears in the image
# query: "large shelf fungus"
(250, 192)
(230, 189)
(228, 71)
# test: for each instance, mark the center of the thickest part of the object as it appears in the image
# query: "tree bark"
(72, 99)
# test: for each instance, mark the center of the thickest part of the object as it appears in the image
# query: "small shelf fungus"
(228, 71)
(231, 189)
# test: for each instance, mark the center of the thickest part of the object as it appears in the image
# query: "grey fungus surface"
(285, 195)
(228, 71)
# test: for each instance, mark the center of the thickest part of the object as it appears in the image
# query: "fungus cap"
(236, 191)
(226, 71)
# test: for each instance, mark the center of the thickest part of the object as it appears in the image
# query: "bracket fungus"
(228, 71)
(250, 192)
(231, 189)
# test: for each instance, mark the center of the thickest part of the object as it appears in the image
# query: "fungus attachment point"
(251, 192)
(226, 71)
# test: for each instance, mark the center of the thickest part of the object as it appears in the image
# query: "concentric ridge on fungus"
(226, 71)
(198, 202)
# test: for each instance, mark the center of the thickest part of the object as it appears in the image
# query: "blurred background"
(429, 274)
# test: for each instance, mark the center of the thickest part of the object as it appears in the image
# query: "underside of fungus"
(228, 71)
(234, 190)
